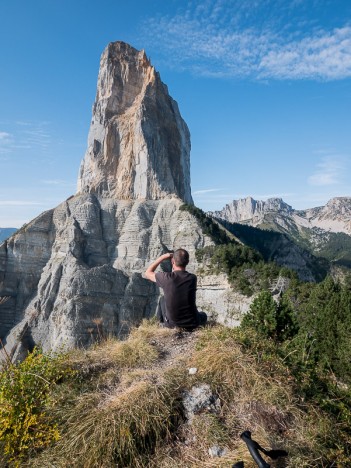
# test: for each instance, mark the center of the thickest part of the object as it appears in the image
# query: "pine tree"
(262, 315)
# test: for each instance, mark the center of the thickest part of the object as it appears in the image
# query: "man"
(178, 306)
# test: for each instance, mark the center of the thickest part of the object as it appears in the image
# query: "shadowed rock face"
(76, 271)
(138, 146)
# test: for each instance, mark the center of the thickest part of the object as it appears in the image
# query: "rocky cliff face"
(138, 145)
(251, 211)
(75, 272)
(335, 216)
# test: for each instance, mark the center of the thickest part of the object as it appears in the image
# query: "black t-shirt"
(180, 297)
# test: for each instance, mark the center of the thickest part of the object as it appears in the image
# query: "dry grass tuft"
(150, 330)
(136, 351)
(236, 375)
(121, 429)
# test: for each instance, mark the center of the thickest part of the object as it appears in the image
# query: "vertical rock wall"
(138, 145)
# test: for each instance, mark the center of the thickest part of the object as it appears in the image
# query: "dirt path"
(173, 345)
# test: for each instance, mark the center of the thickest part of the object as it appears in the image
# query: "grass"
(117, 429)
(123, 406)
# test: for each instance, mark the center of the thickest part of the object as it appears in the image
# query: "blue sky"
(264, 86)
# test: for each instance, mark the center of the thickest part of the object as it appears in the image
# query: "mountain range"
(324, 231)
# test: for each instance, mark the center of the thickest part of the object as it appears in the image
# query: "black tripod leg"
(253, 449)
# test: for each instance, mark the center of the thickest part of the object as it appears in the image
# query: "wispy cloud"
(272, 195)
(202, 192)
(250, 39)
(25, 136)
(327, 55)
(37, 135)
(59, 183)
(4, 136)
(5, 143)
(329, 171)
(53, 182)
(19, 203)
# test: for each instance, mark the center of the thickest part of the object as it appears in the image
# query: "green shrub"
(25, 422)
(270, 318)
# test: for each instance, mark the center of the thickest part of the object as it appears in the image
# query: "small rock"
(192, 370)
(200, 398)
(216, 451)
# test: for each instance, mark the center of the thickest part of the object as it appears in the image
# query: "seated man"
(178, 306)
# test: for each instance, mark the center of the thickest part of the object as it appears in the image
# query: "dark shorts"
(162, 316)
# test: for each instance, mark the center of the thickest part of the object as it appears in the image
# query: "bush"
(271, 319)
(325, 322)
(25, 423)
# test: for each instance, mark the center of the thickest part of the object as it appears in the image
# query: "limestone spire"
(138, 144)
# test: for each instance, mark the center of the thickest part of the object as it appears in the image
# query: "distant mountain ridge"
(6, 232)
(335, 216)
(325, 231)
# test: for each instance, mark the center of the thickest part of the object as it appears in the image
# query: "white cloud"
(19, 203)
(201, 192)
(4, 136)
(328, 172)
(271, 195)
(37, 136)
(59, 183)
(53, 182)
(235, 39)
(326, 56)
(5, 143)
(24, 136)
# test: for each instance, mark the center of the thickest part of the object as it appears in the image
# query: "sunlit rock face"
(139, 145)
(335, 216)
(251, 211)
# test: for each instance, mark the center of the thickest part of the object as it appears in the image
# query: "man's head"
(181, 258)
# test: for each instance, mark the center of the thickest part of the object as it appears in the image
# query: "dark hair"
(181, 257)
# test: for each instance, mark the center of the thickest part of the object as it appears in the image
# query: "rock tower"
(76, 271)
(138, 145)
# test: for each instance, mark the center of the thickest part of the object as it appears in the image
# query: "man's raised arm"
(150, 272)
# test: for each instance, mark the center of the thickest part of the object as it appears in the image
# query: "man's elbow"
(150, 275)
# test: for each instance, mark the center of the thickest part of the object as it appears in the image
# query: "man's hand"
(166, 256)
(150, 272)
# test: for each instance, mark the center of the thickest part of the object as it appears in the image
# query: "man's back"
(177, 308)
(180, 297)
